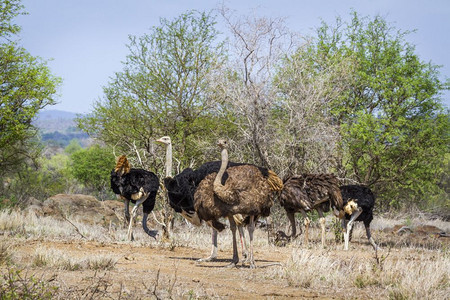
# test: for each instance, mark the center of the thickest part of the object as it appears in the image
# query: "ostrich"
(138, 186)
(303, 193)
(181, 191)
(247, 190)
(358, 206)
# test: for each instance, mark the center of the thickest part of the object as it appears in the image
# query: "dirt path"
(166, 271)
(174, 272)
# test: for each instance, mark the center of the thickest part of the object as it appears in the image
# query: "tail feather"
(239, 219)
(275, 182)
(122, 165)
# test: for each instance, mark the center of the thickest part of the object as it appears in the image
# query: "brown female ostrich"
(181, 191)
(303, 193)
(247, 190)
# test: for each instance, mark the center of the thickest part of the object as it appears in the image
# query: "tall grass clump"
(5, 253)
(22, 223)
(54, 258)
(424, 277)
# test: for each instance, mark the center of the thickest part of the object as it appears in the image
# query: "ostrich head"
(350, 207)
(222, 143)
(164, 140)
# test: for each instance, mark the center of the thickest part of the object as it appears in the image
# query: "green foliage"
(393, 128)
(15, 285)
(47, 178)
(73, 147)
(356, 101)
(162, 90)
(9, 9)
(92, 167)
(26, 86)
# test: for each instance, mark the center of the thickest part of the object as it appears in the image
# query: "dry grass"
(420, 277)
(6, 252)
(408, 267)
(58, 259)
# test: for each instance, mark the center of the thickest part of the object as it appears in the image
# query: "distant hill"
(55, 120)
(59, 127)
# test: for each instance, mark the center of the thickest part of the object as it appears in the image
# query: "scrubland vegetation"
(353, 99)
(45, 257)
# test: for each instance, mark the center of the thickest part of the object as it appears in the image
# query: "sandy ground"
(138, 268)
(162, 272)
(148, 269)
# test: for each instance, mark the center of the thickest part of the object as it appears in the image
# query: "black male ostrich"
(138, 186)
(303, 193)
(358, 206)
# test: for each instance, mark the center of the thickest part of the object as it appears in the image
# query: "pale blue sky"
(86, 39)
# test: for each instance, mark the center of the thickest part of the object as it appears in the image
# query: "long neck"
(169, 160)
(223, 167)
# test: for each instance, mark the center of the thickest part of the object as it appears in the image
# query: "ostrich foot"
(252, 265)
(206, 259)
(234, 262)
(246, 258)
(153, 233)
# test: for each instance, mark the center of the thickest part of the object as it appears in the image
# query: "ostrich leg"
(251, 228)
(291, 217)
(127, 216)
(127, 210)
(133, 217)
(243, 244)
(369, 237)
(213, 255)
(235, 258)
(322, 225)
(152, 233)
(353, 217)
(306, 222)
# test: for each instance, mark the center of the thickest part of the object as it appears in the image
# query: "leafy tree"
(92, 167)
(47, 178)
(26, 86)
(161, 91)
(73, 146)
(394, 130)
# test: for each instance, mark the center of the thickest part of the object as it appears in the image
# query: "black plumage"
(359, 202)
(138, 186)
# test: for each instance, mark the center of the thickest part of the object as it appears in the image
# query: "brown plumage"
(122, 165)
(303, 193)
(248, 190)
